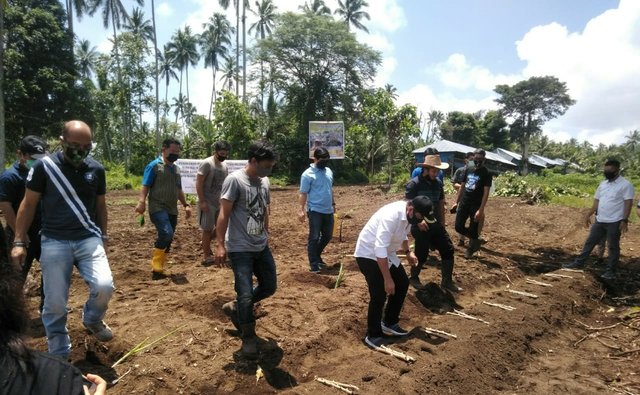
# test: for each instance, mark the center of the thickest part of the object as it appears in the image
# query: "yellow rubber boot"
(158, 261)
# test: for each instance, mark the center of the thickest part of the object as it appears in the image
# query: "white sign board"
(189, 170)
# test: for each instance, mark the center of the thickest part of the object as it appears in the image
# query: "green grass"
(571, 201)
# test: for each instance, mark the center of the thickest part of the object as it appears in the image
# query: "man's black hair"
(431, 151)
(321, 153)
(222, 146)
(171, 140)
(470, 154)
(612, 162)
(480, 151)
(261, 150)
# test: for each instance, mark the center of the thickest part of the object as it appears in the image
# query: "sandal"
(208, 261)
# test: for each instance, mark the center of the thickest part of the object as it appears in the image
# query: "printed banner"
(328, 134)
(189, 170)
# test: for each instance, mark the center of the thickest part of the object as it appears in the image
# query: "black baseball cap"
(34, 146)
(424, 206)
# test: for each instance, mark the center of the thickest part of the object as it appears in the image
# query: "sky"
(448, 55)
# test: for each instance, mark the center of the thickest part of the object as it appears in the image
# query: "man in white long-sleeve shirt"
(384, 234)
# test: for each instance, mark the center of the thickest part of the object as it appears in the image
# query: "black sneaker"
(451, 287)
(374, 342)
(100, 331)
(415, 282)
(573, 265)
(608, 275)
(393, 330)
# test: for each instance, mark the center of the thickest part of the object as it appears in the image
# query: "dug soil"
(565, 333)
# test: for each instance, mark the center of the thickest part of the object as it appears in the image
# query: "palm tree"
(86, 57)
(352, 14)
(435, 118)
(139, 26)
(229, 73)
(391, 90)
(315, 7)
(262, 27)
(214, 42)
(80, 7)
(179, 104)
(245, 6)
(225, 4)
(156, 54)
(166, 70)
(184, 52)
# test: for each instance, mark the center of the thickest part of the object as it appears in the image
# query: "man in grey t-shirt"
(211, 175)
(243, 223)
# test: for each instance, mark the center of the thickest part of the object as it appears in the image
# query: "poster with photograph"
(328, 134)
(189, 170)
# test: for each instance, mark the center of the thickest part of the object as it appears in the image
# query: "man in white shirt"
(612, 205)
(385, 233)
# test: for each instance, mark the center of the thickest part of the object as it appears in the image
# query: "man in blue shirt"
(316, 194)
(418, 170)
(72, 188)
(12, 187)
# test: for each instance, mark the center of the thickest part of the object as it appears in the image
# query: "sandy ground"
(579, 336)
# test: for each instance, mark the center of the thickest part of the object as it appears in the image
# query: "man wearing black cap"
(12, 187)
(384, 234)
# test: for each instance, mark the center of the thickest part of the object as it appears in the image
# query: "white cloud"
(601, 66)
(378, 42)
(385, 15)
(164, 9)
(105, 46)
(385, 71)
(456, 73)
(426, 99)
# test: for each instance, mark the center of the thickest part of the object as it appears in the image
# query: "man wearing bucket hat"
(471, 199)
(433, 234)
(12, 188)
(384, 234)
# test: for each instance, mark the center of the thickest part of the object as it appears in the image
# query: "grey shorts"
(207, 221)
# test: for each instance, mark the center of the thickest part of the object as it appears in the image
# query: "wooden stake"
(395, 353)
(467, 316)
(572, 270)
(527, 294)
(534, 282)
(437, 332)
(592, 328)
(500, 306)
(348, 388)
(556, 275)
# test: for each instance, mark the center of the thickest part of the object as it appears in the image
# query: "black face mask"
(610, 175)
(413, 220)
(172, 158)
(221, 158)
(74, 155)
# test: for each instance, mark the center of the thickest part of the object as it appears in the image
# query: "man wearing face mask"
(316, 194)
(431, 235)
(243, 223)
(12, 188)
(376, 255)
(471, 200)
(161, 182)
(72, 189)
(209, 179)
(612, 204)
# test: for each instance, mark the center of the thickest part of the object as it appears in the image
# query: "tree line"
(297, 67)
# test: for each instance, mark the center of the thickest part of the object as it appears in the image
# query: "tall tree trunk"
(238, 47)
(155, 48)
(3, 146)
(124, 102)
(244, 52)
(70, 18)
(213, 91)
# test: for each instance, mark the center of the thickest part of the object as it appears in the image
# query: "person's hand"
(187, 212)
(389, 286)
(587, 221)
(204, 207)
(140, 207)
(221, 255)
(624, 226)
(98, 386)
(301, 216)
(412, 259)
(478, 216)
(423, 226)
(18, 254)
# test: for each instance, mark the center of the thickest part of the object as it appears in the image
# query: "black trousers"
(378, 296)
(467, 212)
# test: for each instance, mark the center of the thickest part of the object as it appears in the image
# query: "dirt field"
(563, 341)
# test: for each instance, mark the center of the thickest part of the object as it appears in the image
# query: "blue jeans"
(166, 225)
(599, 231)
(245, 265)
(320, 233)
(57, 261)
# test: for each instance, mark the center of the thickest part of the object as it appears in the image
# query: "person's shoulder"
(94, 164)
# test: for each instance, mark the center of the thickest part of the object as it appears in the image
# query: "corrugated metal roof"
(552, 162)
(450, 146)
(533, 159)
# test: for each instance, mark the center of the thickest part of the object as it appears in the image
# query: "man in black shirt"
(471, 200)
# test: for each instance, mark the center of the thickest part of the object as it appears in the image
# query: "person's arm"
(410, 255)
(389, 285)
(187, 207)
(638, 209)
(624, 224)
(441, 210)
(23, 222)
(9, 215)
(592, 210)
(221, 229)
(202, 202)
(102, 216)
(142, 198)
(302, 201)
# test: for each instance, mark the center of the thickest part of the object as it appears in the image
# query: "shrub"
(118, 180)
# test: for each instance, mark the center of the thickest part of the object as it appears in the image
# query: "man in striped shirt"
(72, 187)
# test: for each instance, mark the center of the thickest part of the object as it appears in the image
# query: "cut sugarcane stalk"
(467, 316)
(534, 282)
(521, 293)
(432, 331)
(348, 388)
(500, 306)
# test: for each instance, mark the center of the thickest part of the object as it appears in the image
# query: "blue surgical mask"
(29, 163)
